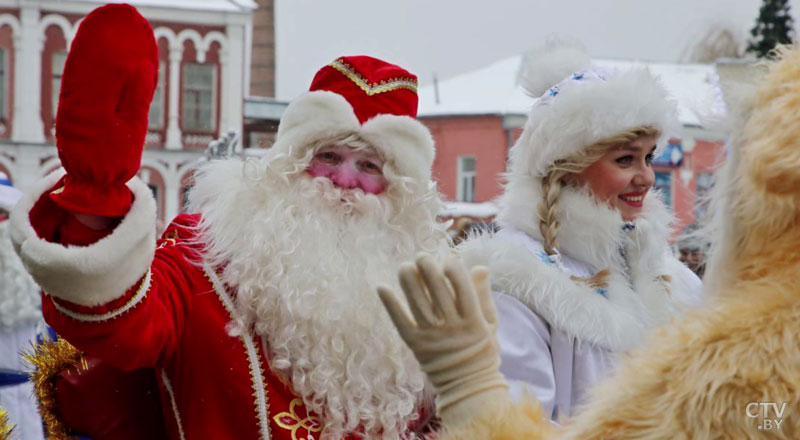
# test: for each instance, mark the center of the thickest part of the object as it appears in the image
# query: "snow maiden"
(581, 269)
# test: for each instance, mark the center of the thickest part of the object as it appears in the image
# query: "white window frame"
(671, 202)
(213, 91)
(159, 103)
(4, 68)
(702, 192)
(465, 183)
(56, 72)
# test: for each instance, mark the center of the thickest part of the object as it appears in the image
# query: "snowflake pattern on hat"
(573, 80)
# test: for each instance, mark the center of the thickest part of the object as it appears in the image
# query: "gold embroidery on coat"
(291, 421)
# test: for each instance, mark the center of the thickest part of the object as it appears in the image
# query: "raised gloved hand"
(108, 82)
(452, 334)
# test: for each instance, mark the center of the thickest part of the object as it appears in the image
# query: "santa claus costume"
(577, 283)
(20, 324)
(257, 311)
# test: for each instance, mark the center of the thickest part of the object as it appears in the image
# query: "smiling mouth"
(633, 200)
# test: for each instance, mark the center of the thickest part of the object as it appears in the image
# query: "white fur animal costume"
(558, 335)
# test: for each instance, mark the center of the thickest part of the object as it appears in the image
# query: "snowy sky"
(453, 36)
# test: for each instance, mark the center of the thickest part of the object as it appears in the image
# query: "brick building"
(204, 86)
(477, 116)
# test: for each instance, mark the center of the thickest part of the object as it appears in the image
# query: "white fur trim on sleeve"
(137, 297)
(95, 274)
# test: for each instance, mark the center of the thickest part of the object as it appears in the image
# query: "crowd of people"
(314, 293)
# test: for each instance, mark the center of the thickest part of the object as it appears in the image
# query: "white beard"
(19, 295)
(305, 258)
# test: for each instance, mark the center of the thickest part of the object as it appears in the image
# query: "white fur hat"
(367, 97)
(402, 141)
(580, 104)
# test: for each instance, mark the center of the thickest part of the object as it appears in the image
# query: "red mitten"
(108, 83)
(55, 225)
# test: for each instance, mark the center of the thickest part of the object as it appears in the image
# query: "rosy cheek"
(608, 183)
(317, 169)
(369, 183)
(373, 184)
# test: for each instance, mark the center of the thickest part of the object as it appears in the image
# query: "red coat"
(213, 385)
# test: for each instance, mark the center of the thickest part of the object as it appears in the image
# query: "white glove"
(452, 334)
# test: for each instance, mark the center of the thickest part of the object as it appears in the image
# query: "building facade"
(476, 117)
(205, 48)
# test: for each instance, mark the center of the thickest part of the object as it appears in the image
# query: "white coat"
(558, 337)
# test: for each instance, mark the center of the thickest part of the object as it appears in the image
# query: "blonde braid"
(548, 224)
(548, 209)
(552, 184)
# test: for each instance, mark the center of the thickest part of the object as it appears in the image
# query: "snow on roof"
(494, 90)
(197, 5)
(465, 209)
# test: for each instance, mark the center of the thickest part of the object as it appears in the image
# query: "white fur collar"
(615, 318)
(592, 234)
(589, 231)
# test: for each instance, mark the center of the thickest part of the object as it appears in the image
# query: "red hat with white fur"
(370, 98)
(375, 87)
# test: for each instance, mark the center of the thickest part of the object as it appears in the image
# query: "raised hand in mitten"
(108, 82)
(452, 334)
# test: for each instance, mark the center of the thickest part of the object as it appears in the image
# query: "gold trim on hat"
(387, 85)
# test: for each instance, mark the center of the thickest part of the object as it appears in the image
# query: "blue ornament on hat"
(9, 196)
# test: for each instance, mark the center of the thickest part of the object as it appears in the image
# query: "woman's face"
(622, 176)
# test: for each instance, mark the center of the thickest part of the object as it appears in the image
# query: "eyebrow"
(633, 149)
(371, 152)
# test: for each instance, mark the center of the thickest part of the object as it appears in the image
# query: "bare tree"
(717, 42)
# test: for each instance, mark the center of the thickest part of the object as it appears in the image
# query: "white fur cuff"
(95, 274)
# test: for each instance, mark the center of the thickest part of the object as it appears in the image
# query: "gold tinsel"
(5, 426)
(48, 359)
